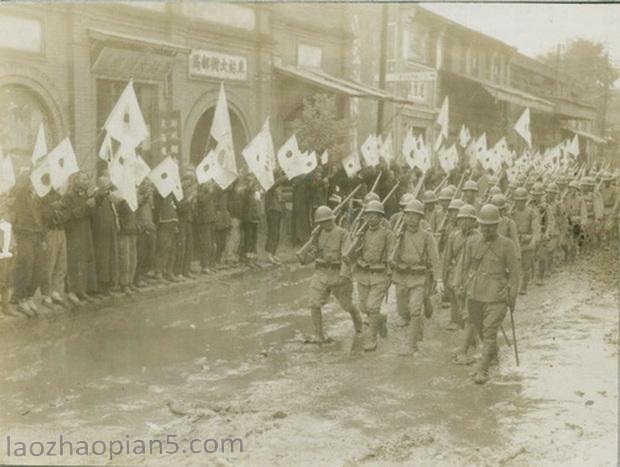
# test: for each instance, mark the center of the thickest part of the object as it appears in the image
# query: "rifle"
(441, 184)
(363, 209)
(374, 185)
(317, 229)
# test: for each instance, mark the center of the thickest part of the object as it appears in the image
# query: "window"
(418, 45)
(418, 90)
(309, 56)
(21, 34)
(108, 92)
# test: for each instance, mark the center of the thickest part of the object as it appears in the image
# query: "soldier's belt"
(371, 267)
(326, 265)
(411, 269)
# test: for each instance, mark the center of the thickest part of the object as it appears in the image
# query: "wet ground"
(229, 360)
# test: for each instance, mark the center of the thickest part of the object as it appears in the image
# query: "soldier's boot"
(383, 325)
(525, 280)
(488, 353)
(371, 337)
(415, 333)
(420, 328)
(317, 321)
(358, 322)
(461, 357)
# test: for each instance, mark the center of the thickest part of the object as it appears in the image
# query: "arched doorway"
(21, 113)
(202, 142)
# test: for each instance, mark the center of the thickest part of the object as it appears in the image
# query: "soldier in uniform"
(528, 228)
(553, 229)
(431, 213)
(453, 256)
(573, 213)
(397, 217)
(415, 252)
(331, 276)
(506, 227)
(490, 278)
(369, 253)
(591, 211)
(470, 194)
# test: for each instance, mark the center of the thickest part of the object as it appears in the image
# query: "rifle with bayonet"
(442, 227)
(356, 221)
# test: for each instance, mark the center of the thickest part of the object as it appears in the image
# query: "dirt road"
(229, 361)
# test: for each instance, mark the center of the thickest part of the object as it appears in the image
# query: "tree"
(588, 61)
(318, 128)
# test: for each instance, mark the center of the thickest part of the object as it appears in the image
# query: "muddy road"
(229, 360)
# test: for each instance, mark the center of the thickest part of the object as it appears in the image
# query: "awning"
(518, 97)
(118, 55)
(342, 86)
(585, 134)
(508, 93)
(574, 110)
(115, 38)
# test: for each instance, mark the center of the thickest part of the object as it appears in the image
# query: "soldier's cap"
(405, 199)
(334, 198)
(456, 204)
(445, 194)
(372, 196)
(470, 185)
(429, 196)
(553, 188)
(489, 215)
(499, 200)
(323, 213)
(374, 206)
(495, 190)
(467, 211)
(537, 189)
(520, 194)
(415, 206)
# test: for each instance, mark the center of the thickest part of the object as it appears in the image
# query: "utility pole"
(382, 64)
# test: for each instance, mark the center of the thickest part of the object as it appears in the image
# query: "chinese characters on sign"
(205, 63)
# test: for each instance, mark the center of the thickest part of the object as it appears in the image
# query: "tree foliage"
(319, 129)
(587, 61)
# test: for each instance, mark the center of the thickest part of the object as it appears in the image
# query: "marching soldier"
(528, 228)
(397, 217)
(490, 278)
(431, 213)
(470, 194)
(573, 213)
(554, 214)
(506, 227)
(414, 253)
(331, 276)
(369, 253)
(591, 211)
(453, 256)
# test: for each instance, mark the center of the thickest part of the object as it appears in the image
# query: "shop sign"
(209, 64)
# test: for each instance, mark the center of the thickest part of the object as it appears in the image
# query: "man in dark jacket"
(147, 233)
(105, 236)
(274, 209)
(167, 222)
(54, 217)
(205, 225)
(185, 210)
(127, 246)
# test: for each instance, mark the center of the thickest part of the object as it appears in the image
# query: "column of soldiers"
(477, 250)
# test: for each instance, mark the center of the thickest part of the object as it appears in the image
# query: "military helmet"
(375, 206)
(493, 180)
(323, 213)
(520, 194)
(335, 198)
(405, 199)
(415, 206)
(456, 204)
(467, 211)
(495, 190)
(372, 196)
(470, 185)
(589, 181)
(499, 200)
(488, 215)
(574, 184)
(429, 196)
(537, 189)
(553, 188)
(445, 193)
